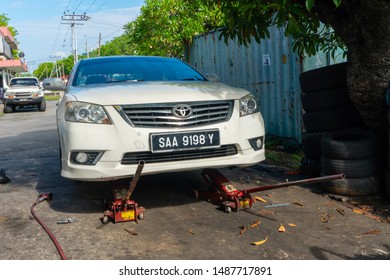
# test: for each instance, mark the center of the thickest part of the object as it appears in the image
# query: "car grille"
(148, 157)
(23, 94)
(161, 115)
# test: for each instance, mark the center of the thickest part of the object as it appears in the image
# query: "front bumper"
(116, 140)
(24, 101)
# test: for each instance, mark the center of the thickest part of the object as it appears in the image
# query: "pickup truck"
(22, 92)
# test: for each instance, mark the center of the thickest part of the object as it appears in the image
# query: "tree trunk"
(364, 26)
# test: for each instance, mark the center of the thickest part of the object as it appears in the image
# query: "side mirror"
(53, 84)
(211, 77)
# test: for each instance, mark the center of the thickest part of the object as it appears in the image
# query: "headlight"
(85, 113)
(248, 105)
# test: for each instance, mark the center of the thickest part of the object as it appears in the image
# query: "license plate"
(23, 99)
(184, 141)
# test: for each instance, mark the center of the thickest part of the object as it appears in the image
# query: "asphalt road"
(176, 225)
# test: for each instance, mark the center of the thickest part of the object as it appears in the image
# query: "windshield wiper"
(126, 81)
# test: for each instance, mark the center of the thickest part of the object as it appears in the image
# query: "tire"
(352, 187)
(311, 144)
(42, 105)
(325, 99)
(357, 144)
(310, 167)
(333, 76)
(333, 119)
(352, 168)
(8, 108)
(105, 219)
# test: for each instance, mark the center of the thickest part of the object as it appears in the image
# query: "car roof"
(119, 57)
(24, 78)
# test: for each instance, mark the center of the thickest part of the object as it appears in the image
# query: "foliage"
(54, 69)
(244, 19)
(4, 22)
(118, 46)
(165, 27)
(43, 71)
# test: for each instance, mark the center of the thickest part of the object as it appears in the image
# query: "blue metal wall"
(269, 70)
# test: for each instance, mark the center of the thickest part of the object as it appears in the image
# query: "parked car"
(118, 111)
(22, 92)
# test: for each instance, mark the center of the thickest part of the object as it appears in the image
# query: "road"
(176, 225)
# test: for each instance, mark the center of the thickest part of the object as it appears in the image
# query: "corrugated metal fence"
(269, 70)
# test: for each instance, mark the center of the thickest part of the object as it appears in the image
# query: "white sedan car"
(118, 111)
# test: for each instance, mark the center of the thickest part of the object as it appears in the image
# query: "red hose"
(39, 200)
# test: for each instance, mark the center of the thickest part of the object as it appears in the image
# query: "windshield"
(133, 69)
(23, 82)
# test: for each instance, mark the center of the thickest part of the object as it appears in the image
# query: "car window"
(110, 70)
(24, 82)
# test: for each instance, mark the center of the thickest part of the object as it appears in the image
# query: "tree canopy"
(4, 20)
(166, 27)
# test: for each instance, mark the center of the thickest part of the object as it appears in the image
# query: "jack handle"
(134, 181)
(299, 182)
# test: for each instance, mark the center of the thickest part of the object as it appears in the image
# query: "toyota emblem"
(182, 111)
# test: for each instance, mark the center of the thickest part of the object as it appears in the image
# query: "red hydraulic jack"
(223, 193)
(123, 209)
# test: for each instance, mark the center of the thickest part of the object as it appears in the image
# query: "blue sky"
(42, 36)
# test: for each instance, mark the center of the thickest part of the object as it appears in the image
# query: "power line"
(73, 21)
(90, 6)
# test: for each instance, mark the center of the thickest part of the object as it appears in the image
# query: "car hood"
(22, 88)
(154, 92)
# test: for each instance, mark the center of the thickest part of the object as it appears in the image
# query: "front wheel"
(42, 105)
(105, 220)
(8, 108)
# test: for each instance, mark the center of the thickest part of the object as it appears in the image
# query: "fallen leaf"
(189, 230)
(297, 203)
(325, 218)
(269, 195)
(260, 242)
(373, 232)
(2, 219)
(131, 232)
(255, 224)
(266, 212)
(282, 228)
(358, 211)
(243, 229)
(259, 198)
(341, 211)
(292, 225)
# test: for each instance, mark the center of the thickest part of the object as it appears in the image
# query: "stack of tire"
(327, 108)
(357, 154)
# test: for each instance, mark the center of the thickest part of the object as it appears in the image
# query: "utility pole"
(55, 68)
(86, 46)
(100, 40)
(74, 20)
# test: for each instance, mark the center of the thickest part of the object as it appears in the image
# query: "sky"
(43, 36)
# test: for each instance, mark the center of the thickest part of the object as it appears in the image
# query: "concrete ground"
(176, 225)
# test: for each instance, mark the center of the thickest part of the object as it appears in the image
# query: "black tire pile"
(357, 154)
(335, 140)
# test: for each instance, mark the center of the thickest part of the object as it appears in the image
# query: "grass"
(52, 97)
(283, 152)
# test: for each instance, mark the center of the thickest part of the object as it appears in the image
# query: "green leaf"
(309, 4)
(337, 2)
